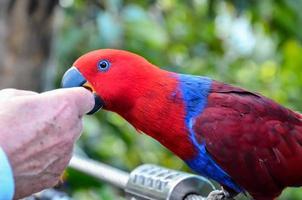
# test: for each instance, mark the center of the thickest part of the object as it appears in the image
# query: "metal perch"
(148, 182)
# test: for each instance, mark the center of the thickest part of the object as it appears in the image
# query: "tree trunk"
(26, 28)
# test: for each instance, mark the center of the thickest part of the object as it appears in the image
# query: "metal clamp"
(151, 182)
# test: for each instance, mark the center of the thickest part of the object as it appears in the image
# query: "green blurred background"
(254, 44)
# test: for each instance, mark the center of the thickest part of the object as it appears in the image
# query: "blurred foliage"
(254, 44)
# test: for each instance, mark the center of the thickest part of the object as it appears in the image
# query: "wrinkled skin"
(38, 132)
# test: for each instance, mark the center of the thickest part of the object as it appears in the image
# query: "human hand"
(38, 132)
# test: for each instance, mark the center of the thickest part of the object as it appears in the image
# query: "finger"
(79, 97)
(10, 93)
(78, 130)
(84, 99)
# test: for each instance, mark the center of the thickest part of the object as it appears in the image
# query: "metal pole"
(100, 171)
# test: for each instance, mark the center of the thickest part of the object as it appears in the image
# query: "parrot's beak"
(74, 78)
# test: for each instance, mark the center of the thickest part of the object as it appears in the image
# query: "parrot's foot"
(219, 195)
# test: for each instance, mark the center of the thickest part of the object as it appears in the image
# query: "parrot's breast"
(195, 90)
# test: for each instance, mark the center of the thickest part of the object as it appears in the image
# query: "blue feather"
(195, 90)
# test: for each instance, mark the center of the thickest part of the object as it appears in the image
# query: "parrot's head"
(112, 75)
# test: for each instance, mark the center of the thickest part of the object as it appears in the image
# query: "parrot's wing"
(255, 140)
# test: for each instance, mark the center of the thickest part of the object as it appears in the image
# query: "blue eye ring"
(103, 65)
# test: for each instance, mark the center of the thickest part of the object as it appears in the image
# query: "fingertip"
(81, 98)
(85, 100)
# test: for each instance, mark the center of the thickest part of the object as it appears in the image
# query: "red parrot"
(243, 140)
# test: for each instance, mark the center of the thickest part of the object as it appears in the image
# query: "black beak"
(74, 78)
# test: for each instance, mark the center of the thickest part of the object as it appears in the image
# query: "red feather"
(255, 140)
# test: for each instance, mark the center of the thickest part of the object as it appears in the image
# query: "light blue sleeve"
(7, 185)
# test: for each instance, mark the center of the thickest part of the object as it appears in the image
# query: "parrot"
(243, 140)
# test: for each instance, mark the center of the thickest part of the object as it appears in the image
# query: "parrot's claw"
(219, 195)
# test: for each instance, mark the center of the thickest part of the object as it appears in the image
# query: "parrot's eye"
(103, 65)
